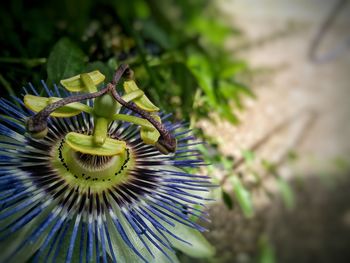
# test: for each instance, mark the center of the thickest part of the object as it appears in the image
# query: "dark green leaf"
(155, 33)
(227, 200)
(66, 60)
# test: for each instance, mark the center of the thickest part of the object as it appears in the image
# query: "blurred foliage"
(266, 251)
(176, 49)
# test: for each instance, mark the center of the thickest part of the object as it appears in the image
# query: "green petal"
(36, 104)
(76, 84)
(143, 102)
(85, 144)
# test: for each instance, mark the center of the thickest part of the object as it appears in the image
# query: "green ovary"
(96, 173)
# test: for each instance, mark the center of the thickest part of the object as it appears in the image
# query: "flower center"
(91, 171)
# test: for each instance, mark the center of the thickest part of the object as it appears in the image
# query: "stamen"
(37, 124)
(166, 142)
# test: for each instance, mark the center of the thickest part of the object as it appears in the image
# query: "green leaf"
(268, 166)
(231, 90)
(200, 68)
(232, 69)
(227, 200)
(266, 251)
(292, 156)
(65, 60)
(286, 192)
(226, 112)
(152, 31)
(186, 86)
(199, 248)
(243, 197)
(212, 29)
(248, 156)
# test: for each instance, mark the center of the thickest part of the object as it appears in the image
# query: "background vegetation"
(175, 48)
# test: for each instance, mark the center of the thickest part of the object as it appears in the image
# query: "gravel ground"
(290, 85)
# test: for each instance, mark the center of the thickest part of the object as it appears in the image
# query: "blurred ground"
(287, 84)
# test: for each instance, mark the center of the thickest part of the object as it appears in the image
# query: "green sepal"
(15, 239)
(198, 246)
(37, 103)
(76, 84)
(85, 144)
(133, 95)
(150, 136)
(143, 102)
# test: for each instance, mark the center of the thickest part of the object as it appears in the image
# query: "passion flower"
(96, 176)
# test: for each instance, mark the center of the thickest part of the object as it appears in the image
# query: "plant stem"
(29, 62)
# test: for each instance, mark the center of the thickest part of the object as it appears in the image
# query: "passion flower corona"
(96, 176)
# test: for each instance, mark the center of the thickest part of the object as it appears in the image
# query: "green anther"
(85, 144)
(88, 82)
(135, 120)
(76, 84)
(150, 136)
(143, 102)
(36, 104)
(133, 95)
(107, 102)
(100, 130)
